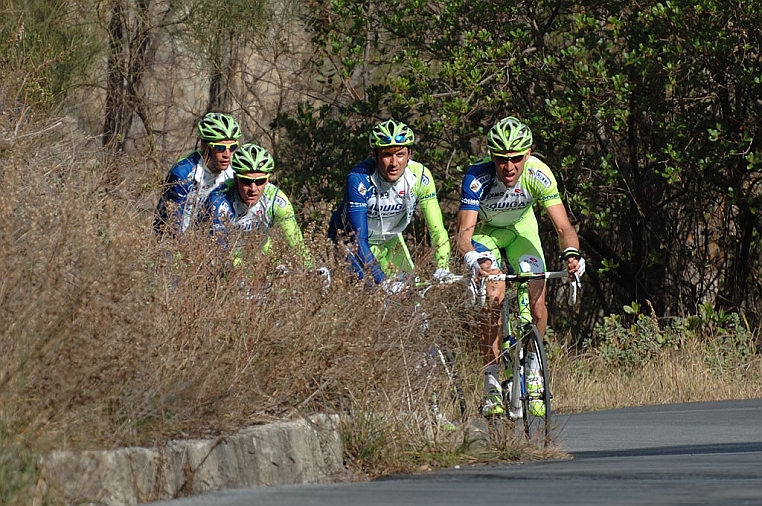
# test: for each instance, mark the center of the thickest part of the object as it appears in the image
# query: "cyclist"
(191, 180)
(250, 203)
(380, 197)
(496, 215)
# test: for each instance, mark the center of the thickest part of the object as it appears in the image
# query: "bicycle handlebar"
(523, 277)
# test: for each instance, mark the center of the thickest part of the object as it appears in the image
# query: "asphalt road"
(703, 453)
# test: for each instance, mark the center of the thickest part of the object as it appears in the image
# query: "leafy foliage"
(728, 343)
(648, 116)
(630, 347)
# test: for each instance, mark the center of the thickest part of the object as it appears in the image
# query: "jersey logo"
(424, 180)
(538, 175)
(280, 201)
(362, 189)
(475, 185)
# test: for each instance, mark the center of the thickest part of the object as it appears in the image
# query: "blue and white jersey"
(186, 191)
(501, 206)
(374, 211)
(231, 214)
(387, 207)
(230, 211)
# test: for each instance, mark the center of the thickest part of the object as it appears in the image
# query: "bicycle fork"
(513, 359)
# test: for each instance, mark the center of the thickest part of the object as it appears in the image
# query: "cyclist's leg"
(490, 317)
(399, 255)
(381, 254)
(490, 342)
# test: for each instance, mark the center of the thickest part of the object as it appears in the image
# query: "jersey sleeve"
(542, 185)
(357, 214)
(169, 210)
(471, 190)
(285, 218)
(221, 214)
(432, 213)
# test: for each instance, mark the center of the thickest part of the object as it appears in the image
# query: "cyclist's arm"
(285, 218)
(432, 213)
(477, 180)
(358, 220)
(171, 205)
(356, 191)
(466, 222)
(567, 235)
(221, 213)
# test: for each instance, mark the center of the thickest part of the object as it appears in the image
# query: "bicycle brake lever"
(574, 286)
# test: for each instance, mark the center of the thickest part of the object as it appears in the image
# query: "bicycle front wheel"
(535, 390)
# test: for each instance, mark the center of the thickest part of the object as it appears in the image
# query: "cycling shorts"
(518, 243)
(393, 256)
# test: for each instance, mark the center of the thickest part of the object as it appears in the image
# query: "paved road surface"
(704, 453)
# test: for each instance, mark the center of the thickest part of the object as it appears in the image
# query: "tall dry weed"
(113, 338)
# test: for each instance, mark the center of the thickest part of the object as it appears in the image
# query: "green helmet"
(391, 133)
(252, 158)
(215, 127)
(509, 135)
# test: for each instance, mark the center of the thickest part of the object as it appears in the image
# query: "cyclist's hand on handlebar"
(580, 267)
(574, 260)
(392, 287)
(481, 263)
(442, 275)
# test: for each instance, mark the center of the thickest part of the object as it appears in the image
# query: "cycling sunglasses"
(512, 159)
(247, 181)
(221, 148)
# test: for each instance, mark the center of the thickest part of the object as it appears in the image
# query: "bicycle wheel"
(535, 397)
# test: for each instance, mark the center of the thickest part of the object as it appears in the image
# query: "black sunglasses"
(246, 181)
(512, 159)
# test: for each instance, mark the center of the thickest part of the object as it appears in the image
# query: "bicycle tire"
(536, 425)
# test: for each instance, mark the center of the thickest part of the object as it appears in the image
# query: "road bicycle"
(523, 353)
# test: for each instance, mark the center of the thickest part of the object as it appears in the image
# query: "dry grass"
(585, 383)
(113, 339)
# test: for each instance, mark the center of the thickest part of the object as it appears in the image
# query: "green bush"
(727, 340)
(632, 346)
